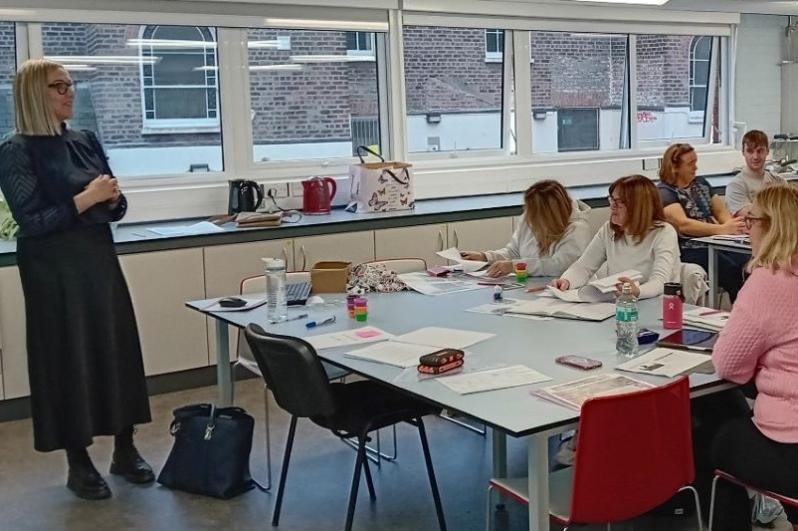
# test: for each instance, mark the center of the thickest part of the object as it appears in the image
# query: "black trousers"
(743, 451)
(731, 267)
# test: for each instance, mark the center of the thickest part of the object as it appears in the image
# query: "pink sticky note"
(367, 333)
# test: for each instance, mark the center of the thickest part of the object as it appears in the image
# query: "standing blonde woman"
(552, 233)
(84, 359)
(760, 343)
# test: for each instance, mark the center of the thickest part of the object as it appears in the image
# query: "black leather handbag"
(210, 454)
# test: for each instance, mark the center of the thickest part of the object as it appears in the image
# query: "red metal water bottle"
(672, 302)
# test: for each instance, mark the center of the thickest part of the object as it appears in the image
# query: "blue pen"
(313, 324)
(290, 318)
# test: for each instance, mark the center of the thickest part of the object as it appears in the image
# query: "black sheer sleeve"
(119, 210)
(32, 211)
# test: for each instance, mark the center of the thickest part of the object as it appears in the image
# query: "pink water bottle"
(672, 302)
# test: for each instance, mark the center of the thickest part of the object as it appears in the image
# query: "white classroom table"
(714, 246)
(514, 412)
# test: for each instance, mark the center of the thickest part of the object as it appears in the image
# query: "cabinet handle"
(285, 258)
(456, 239)
(440, 240)
(304, 258)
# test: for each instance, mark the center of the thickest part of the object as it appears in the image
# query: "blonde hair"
(644, 210)
(33, 116)
(779, 207)
(671, 160)
(547, 209)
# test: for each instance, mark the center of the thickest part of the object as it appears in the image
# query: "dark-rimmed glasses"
(62, 87)
(750, 220)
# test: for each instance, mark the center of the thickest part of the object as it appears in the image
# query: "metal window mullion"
(234, 100)
(725, 108)
(35, 41)
(631, 88)
(397, 115)
(711, 85)
(22, 47)
(507, 95)
(383, 95)
(522, 82)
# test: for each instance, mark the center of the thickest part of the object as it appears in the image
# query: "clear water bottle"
(276, 297)
(626, 322)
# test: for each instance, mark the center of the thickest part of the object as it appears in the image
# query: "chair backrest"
(694, 284)
(633, 452)
(293, 372)
(402, 265)
(257, 284)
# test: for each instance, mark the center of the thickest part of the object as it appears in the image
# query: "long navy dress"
(84, 357)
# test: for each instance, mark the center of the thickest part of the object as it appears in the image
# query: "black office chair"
(295, 375)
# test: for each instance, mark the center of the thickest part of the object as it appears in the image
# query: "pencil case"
(441, 357)
(440, 369)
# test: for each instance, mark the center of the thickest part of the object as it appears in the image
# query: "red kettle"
(317, 195)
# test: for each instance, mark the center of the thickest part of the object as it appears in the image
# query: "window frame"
(370, 51)
(499, 35)
(155, 125)
(691, 83)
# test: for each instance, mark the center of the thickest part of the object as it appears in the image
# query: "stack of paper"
(443, 337)
(392, 353)
(203, 227)
(574, 394)
(453, 255)
(706, 318)
(427, 285)
(665, 362)
(597, 311)
(360, 336)
(596, 291)
(477, 382)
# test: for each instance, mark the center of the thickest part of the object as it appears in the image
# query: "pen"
(711, 312)
(292, 318)
(313, 324)
(535, 289)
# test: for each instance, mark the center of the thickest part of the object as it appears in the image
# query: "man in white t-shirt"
(741, 190)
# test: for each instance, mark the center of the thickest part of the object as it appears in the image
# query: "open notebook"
(548, 307)
(600, 290)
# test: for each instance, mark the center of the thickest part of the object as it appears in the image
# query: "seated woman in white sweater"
(636, 237)
(552, 233)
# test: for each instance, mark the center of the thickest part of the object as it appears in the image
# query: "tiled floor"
(33, 496)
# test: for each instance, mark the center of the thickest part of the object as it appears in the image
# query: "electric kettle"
(317, 195)
(245, 196)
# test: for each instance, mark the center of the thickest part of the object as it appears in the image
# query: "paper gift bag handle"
(366, 149)
(397, 179)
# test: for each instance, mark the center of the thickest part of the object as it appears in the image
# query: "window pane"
(578, 85)
(454, 95)
(164, 129)
(672, 86)
(8, 58)
(312, 99)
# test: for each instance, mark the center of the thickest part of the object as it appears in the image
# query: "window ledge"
(179, 130)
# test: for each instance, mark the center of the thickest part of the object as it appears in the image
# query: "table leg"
(224, 379)
(499, 454)
(712, 263)
(538, 478)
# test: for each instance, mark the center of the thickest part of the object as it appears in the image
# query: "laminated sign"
(380, 186)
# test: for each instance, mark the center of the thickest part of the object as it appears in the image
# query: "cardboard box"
(329, 277)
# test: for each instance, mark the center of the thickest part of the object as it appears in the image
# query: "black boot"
(83, 478)
(127, 462)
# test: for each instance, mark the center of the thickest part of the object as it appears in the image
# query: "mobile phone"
(580, 362)
(441, 357)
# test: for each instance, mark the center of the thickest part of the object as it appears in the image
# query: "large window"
(113, 63)
(179, 77)
(579, 86)
(673, 81)
(454, 97)
(7, 67)
(314, 100)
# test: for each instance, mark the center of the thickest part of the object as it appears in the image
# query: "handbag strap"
(366, 149)
(397, 179)
(211, 423)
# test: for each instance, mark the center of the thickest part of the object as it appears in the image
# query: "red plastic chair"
(720, 474)
(634, 451)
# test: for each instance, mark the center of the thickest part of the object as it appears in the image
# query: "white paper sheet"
(443, 337)
(345, 338)
(555, 308)
(392, 353)
(453, 254)
(664, 362)
(203, 227)
(427, 285)
(574, 394)
(477, 382)
(607, 284)
(706, 318)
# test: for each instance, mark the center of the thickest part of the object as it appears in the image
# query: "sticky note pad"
(367, 333)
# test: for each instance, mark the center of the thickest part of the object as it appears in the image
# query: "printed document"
(706, 318)
(597, 311)
(443, 337)
(345, 338)
(427, 285)
(600, 290)
(392, 353)
(574, 394)
(203, 227)
(453, 254)
(477, 382)
(665, 362)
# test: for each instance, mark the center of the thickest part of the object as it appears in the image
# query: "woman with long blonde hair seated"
(551, 234)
